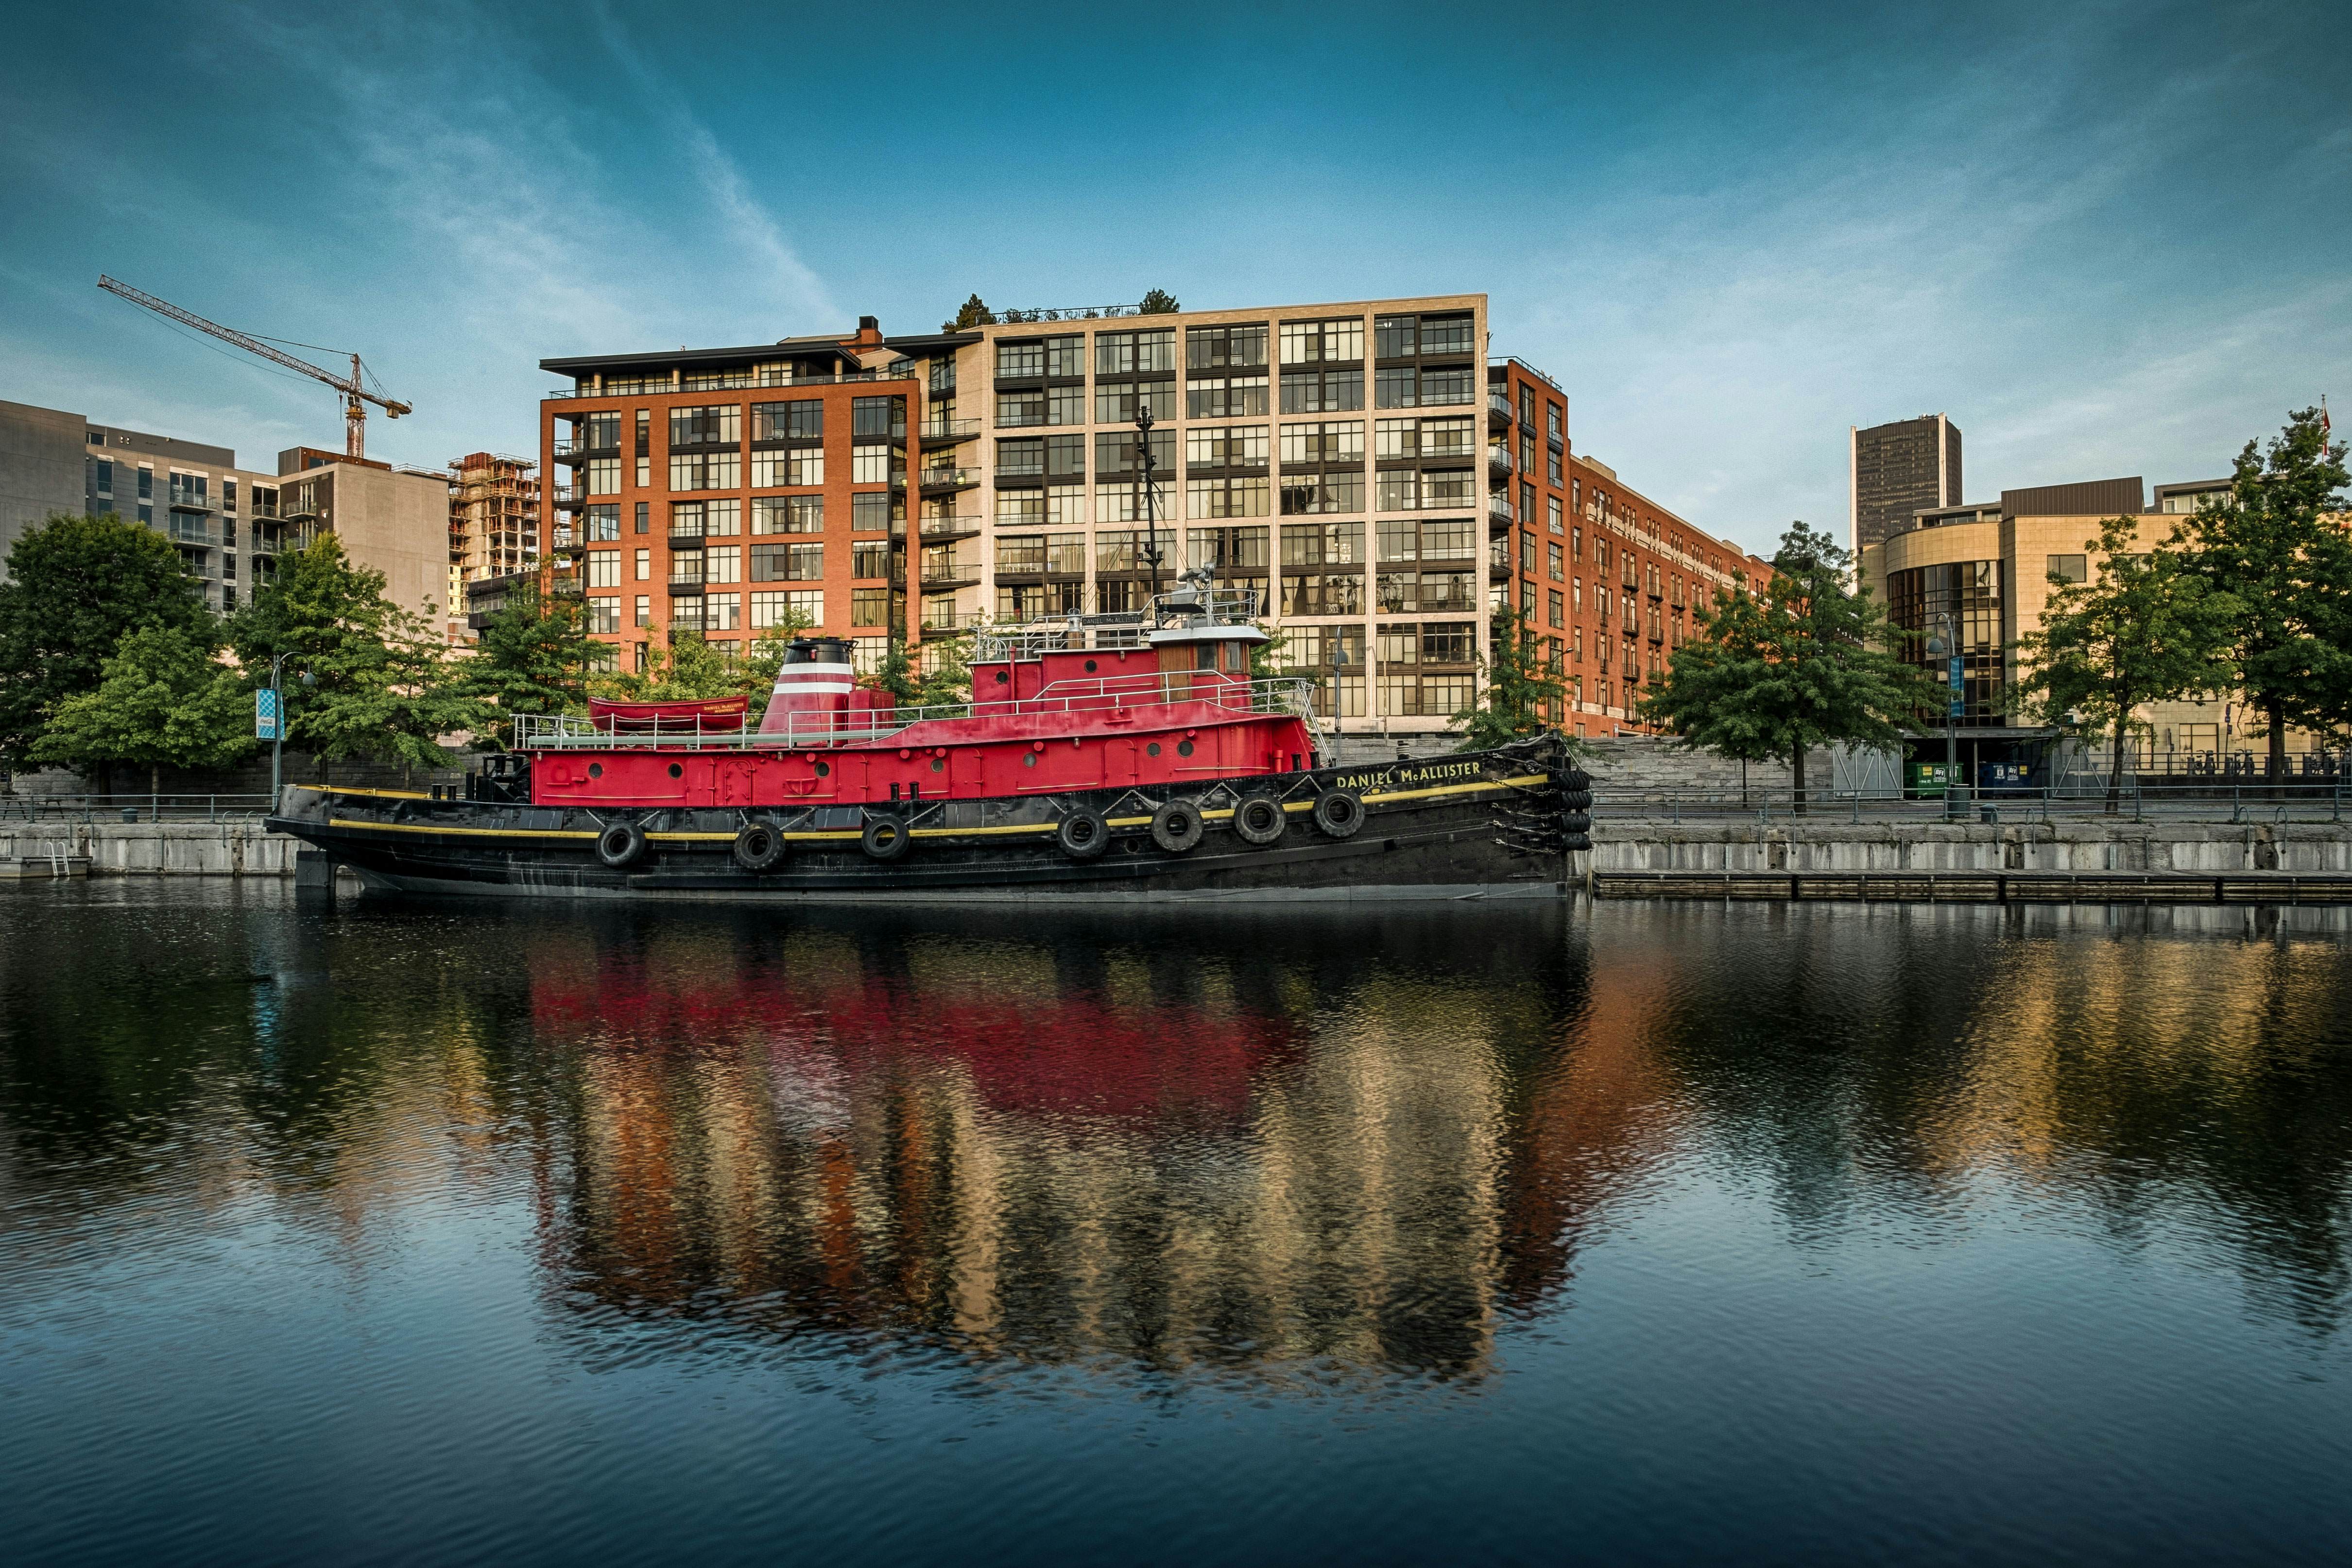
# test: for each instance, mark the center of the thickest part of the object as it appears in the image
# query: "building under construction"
(493, 523)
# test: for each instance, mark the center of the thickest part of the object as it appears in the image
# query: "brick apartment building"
(1360, 466)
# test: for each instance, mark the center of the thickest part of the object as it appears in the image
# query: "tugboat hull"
(1494, 824)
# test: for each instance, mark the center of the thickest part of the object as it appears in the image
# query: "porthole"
(823, 769)
(1152, 750)
(939, 764)
(676, 771)
(1002, 677)
(1028, 759)
(595, 770)
(1090, 666)
(1184, 747)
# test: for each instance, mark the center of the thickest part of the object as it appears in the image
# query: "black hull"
(1483, 824)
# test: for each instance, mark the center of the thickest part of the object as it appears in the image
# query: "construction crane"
(355, 394)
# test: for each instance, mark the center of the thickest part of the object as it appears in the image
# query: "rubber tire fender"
(1259, 819)
(1576, 778)
(1340, 813)
(1177, 827)
(1082, 833)
(1576, 822)
(620, 845)
(759, 847)
(886, 838)
(1576, 799)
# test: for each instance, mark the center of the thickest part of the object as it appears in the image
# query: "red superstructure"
(1057, 707)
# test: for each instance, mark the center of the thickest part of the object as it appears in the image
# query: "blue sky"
(2106, 240)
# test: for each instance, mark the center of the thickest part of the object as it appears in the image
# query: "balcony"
(1500, 513)
(686, 540)
(568, 495)
(946, 482)
(684, 587)
(182, 501)
(1498, 411)
(1498, 563)
(953, 526)
(947, 432)
(947, 579)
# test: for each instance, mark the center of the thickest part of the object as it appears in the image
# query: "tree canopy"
(1158, 302)
(161, 700)
(969, 314)
(1810, 662)
(533, 655)
(76, 586)
(2278, 548)
(383, 687)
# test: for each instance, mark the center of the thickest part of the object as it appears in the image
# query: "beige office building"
(1987, 568)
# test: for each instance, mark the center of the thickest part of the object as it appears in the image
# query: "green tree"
(1158, 302)
(1518, 688)
(969, 314)
(688, 669)
(534, 656)
(384, 684)
(895, 674)
(2147, 629)
(1810, 662)
(943, 678)
(2278, 548)
(76, 587)
(161, 700)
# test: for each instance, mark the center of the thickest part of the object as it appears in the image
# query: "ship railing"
(1105, 695)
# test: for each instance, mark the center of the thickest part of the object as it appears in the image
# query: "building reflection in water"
(1174, 1145)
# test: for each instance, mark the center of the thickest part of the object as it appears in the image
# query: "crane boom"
(354, 393)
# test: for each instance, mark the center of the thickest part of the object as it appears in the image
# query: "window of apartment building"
(1116, 402)
(601, 524)
(1321, 342)
(1225, 397)
(1031, 601)
(877, 418)
(645, 564)
(1125, 501)
(1233, 496)
(773, 608)
(1322, 390)
(645, 443)
(644, 517)
(603, 569)
(1066, 357)
(1225, 348)
(1023, 457)
(869, 606)
(603, 475)
(1556, 606)
(787, 514)
(1023, 406)
(1021, 555)
(2069, 568)
(1551, 513)
(1552, 464)
(1322, 543)
(1225, 447)
(1526, 554)
(102, 476)
(1229, 549)
(1396, 337)
(1020, 359)
(878, 511)
(798, 421)
(1065, 505)
(1065, 457)
(787, 563)
(604, 614)
(1137, 352)
(723, 564)
(146, 482)
(1021, 509)
(878, 463)
(601, 431)
(1066, 404)
(710, 425)
(1405, 539)
(705, 471)
(1441, 439)
(1414, 386)
(721, 613)
(1555, 559)
(1114, 451)
(870, 559)
(1556, 424)
(1323, 593)
(1527, 600)
(644, 608)
(686, 613)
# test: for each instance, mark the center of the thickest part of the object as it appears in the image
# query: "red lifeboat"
(716, 716)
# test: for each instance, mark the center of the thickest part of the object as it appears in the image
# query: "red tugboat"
(1111, 757)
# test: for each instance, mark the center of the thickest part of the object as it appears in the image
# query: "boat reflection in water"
(1287, 1144)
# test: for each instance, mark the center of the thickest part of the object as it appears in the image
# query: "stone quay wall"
(1644, 843)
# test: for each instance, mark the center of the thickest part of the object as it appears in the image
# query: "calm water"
(1665, 1232)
